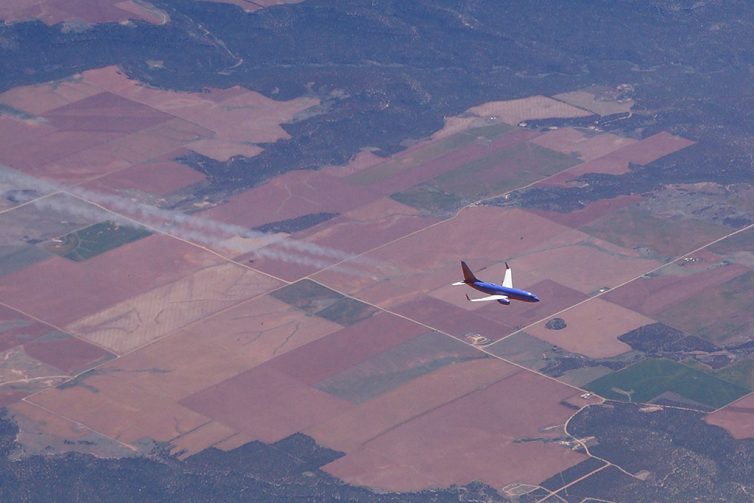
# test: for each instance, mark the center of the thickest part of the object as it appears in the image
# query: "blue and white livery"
(501, 293)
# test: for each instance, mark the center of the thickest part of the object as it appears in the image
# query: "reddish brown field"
(373, 418)
(602, 145)
(220, 347)
(83, 165)
(95, 136)
(248, 117)
(40, 98)
(368, 226)
(16, 329)
(291, 195)
(207, 358)
(31, 154)
(120, 410)
(608, 164)
(92, 11)
(652, 148)
(737, 418)
(60, 291)
(266, 403)
(181, 364)
(154, 142)
(465, 439)
(616, 161)
(353, 232)
(105, 112)
(562, 140)
(572, 141)
(222, 123)
(398, 366)
(673, 284)
(35, 356)
(336, 352)
(593, 329)
(158, 178)
(451, 319)
(66, 353)
(238, 117)
(13, 131)
(90, 134)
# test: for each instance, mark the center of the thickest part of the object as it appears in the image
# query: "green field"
(430, 199)
(96, 239)
(308, 296)
(501, 171)
(635, 227)
(347, 311)
(458, 140)
(723, 315)
(743, 241)
(740, 372)
(428, 152)
(650, 378)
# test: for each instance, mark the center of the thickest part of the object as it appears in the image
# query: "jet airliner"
(501, 293)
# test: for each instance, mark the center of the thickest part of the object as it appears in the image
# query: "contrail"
(189, 227)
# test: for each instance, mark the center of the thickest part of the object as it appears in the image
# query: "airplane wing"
(508, 281)
(491, 297)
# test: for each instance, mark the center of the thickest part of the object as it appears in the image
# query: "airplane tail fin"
(508, 280)
(468, 276)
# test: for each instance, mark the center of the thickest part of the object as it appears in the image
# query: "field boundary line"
(600, 294)
(78, 423)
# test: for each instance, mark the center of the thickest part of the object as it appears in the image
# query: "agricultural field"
(735, 418)
(657, 379)
(723, 315)
(657, 237)
(95, 239)
(207, 270)
(501, 171)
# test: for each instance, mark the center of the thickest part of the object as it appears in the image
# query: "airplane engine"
(505, 302)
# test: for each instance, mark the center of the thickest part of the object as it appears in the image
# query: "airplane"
(501, 293)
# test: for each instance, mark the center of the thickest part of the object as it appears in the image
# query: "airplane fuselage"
(511, 293)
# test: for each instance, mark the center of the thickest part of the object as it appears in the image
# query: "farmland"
(325, 338)
(229, 238)
(652, 378)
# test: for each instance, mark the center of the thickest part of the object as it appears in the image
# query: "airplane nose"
(536, 299)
